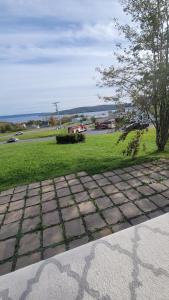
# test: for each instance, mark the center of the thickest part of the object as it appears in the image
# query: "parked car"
(12, 140)
(19, 133)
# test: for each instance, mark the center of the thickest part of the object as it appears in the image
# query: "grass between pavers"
(30, 162)
(27, 135)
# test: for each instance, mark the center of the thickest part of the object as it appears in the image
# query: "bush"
(70, 138)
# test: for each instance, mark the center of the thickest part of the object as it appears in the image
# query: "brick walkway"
(42, 219)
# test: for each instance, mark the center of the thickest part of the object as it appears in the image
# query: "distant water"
(26, 118)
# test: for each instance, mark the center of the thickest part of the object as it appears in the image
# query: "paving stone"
(158, 187)
(74, 228)
(16, 205)
(96, 193)
(63, 192)
(132, 194)
(48, 188)
(34, 192)
(47, 182)
(101, 233)
(138, 167)
(29, 242)
(120, 226)
(49, 206)
(146, 171)
(146, 205)
(80, 197)
(13, 216)
(156, 213)
(48, 196)
(79, 174)
(136, 173)
(86, 207)
(165, 182)
(103, 202)
(112, 215)
(24, 261)
(156, 176)
(134, 182)
(7, 248)
(61, 185)
(128, 169)
(166, 209)
(52, 235)
(78, 242)
(18, 196)
(123, 186)
(119, 198)
(90, 185)
(139, 220)
(164, 173)
(126, 176)
(86, 179)
(3, 208)
(98, 176)
(166, 194)
(7, 192)
(94, 222)
(115, 179)
(66, 201)
(1, 218)
(145, 190)
(30, 224)
(19, 189)
(159, 200)
(119, 171)
(71, 176)
(4, 199)
(77, 188)
(110, 189)
(9, 230)
(103, 182)
(70, 213)
(34, 185)
(32, 211)
(51, 218)
(130, 210)
(108, 174)
(58, 179)
(146, 180)
(5, 268)
(50, 252)
(32, 201)
(73, 182)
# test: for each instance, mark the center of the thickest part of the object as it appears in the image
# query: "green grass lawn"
(29, 162)
(27, 135)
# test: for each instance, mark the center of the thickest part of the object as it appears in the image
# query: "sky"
(49, 50)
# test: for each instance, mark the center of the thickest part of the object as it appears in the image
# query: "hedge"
(70, 138)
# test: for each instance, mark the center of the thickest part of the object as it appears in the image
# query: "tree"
(141, 71)
(52, 121)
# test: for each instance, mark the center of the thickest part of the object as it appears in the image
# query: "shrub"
(70, 138)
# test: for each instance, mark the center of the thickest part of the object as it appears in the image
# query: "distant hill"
(72, 111)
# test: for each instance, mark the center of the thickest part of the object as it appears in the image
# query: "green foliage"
(70, 138)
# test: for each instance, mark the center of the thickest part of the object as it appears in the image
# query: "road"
(44, 139)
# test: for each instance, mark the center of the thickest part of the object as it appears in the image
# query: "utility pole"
(57, 112)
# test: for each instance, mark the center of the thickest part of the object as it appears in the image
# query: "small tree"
(52, 121)
(141, 72)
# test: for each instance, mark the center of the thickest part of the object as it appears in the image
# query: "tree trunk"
(161, 138)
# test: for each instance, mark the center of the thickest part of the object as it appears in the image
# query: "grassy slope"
(33, 135)
(29, 162)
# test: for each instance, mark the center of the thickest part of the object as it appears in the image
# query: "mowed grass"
(27, 135)
(30, 162)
